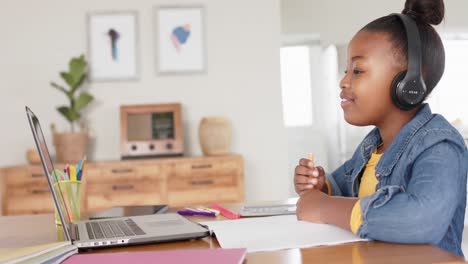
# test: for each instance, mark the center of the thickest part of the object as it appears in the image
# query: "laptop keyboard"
(113, 228)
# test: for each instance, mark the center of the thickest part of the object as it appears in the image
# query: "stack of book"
(45, 253)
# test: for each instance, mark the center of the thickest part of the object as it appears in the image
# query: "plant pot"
(32, 156)
(70, 147)
(215, 136)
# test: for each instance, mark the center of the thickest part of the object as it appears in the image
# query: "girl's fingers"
(315, 172)
(300, 179)
(318, 171)
(305, 186)
(321, 170)
(301, 170)
(307, 176)
(306, 163)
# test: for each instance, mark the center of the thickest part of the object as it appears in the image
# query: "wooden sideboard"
(174, 181)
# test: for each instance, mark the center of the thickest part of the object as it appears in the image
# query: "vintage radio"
(151, 130)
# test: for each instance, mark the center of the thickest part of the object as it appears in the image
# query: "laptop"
(116, 231)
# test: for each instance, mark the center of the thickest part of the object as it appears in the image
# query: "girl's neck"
(391, 126)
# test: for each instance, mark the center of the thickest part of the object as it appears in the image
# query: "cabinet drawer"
(102, 196)
(91, 173)
(29, 201)
(30, 190)
(25, 175)
(200, 182)
(125, 173)
(205, 168)
(122, 187)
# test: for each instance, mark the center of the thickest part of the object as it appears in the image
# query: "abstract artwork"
(112, 46)
(180, 39)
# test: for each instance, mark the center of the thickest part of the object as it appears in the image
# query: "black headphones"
(408, 89)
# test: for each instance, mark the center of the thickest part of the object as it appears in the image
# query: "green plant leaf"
(77, 68)
(67, 78)
(60, 88)
(74, 78)
(83, 100)
(78, 65)
(79, 83)
(70, 114)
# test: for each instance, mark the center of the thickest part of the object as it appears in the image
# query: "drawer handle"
(40, 191)
(203, 166)
(122, 187)
(37, 175)
(202, 182)
(122, 170)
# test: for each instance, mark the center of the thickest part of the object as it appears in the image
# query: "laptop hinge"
(75, 234)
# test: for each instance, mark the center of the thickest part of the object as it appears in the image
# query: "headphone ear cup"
(397, 101)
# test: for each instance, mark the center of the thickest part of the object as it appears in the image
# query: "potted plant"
(72, 146)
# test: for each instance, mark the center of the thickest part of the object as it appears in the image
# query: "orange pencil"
(311, 158)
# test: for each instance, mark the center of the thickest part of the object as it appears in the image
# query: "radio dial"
(151, 146)
(134, 147)
(169, 146)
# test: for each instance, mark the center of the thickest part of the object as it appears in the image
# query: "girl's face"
(372, 63)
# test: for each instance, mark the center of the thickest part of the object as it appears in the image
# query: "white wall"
(337, 21)
(241, 83)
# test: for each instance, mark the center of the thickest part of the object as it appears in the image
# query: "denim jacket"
(421, 193)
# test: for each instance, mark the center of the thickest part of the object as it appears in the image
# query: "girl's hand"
(310, 205)
(307, 177)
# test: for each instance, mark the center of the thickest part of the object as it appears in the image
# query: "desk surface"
(17, 231)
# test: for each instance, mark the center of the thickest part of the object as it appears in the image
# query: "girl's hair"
(425, 13)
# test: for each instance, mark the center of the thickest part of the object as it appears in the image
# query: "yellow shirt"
(367, 187)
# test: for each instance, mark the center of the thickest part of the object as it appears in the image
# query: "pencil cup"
(69, 200)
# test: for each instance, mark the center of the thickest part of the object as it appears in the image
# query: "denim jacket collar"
(399, 144)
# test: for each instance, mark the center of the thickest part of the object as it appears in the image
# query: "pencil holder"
(68, 195)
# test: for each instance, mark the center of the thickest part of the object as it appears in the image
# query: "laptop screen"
(49, 170)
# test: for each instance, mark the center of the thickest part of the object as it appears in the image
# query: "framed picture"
(180, 39)
(112, 46)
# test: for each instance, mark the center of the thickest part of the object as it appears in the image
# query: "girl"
(406, 181)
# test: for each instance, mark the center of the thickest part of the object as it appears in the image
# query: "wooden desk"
(26, 230)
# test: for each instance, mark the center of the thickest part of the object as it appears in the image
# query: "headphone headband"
(414, 46)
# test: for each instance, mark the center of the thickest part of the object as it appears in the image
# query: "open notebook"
(277, 232)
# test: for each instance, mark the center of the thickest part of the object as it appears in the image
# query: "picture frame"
(180, 39)
(112, 46)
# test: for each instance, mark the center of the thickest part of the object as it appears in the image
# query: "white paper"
(277, 232)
